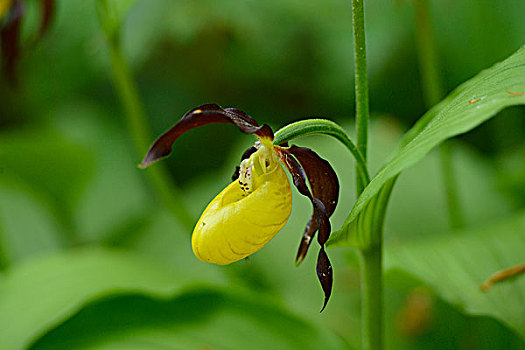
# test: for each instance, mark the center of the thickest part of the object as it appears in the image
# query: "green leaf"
(456, 114)
(40, 293)
(455, 265)
(198, 319)
(480, 196)
(52, 166)
(27, 227)
(116, 194)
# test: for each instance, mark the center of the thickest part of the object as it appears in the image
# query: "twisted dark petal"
(299, 180)
(200, 116)
(325, 187)
(318, 222)
(309, 232)
(324, 273)
(324, 267)
(10, 40)
(48, 14)
(321, 176)
(241, 114)
(324, 223)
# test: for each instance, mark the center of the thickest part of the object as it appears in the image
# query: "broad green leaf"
(49, 164)
(199, 319)
(27, 226)
(116, 194)
(40, 293)
(465, 108)
(455, 265)
(480, 197)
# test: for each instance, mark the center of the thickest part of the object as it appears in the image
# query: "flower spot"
(245, 176)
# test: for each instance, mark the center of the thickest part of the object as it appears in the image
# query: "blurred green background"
(91, 258)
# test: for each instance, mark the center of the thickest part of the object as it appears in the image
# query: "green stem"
(136, 117)
(433, 91)
(324, 127)
(427, 56)
(372, 297)
(371, 262)
(361, 82)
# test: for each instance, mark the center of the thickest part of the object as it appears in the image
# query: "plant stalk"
(371, 259)
(433, 91)
(372, 297)
(361, 82)
(136, 119)
(139, 129)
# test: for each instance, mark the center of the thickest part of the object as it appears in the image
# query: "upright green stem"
(127, 93)
(361, 82)
(433, 92)
(371, 259)
(371, 293)
(427, 56)
(136, 117)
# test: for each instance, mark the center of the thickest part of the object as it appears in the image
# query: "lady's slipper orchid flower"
(249, 212)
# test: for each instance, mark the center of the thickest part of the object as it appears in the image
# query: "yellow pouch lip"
(235, 225)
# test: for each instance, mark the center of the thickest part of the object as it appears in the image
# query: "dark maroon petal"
(324, 273)
(200, 116)
(297, 172)
(309, 232)
(321, 176)
(325, 187)
(48, 14)
(319, 221)
(10, 40)
(319, 217)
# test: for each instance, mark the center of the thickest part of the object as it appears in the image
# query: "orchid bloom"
(249, 212)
